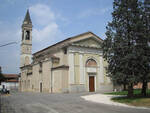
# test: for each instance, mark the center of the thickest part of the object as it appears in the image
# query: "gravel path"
(27, 102)
(106, 99)
(5, 106)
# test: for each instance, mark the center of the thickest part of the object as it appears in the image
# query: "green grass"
(136, 92)
(136, 101)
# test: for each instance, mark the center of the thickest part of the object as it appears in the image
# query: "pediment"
(89, 42)
(87, 39)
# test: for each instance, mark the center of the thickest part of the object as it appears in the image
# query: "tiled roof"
(12, 80)
(11, 75)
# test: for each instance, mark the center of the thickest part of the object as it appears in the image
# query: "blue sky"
(53, 21)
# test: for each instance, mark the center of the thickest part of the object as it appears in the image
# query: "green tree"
(1, 76)
(144, 39)
(120, 47)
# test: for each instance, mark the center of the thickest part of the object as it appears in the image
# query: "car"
(4, 91)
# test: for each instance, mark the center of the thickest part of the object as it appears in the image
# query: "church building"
(75, 64)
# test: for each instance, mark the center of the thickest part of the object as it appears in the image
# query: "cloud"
(42, 14)
(93, 12)
(10, 54)
(64, 21)
(47, 30)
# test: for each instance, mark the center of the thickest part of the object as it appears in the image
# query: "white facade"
(9, 85)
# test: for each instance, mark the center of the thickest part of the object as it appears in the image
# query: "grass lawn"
(136, 92)
(145, 102)
(135, 101)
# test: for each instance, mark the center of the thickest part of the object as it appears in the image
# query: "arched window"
(91, 63)
(27, 35)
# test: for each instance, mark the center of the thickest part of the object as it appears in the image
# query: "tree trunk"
(124, 87)
(144, 88)
(130, 90)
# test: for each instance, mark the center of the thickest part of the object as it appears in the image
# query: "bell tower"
(26, 42)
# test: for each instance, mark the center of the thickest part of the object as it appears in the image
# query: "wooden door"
(91, 84)
(40, 87)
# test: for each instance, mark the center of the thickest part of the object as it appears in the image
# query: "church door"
(91, 84)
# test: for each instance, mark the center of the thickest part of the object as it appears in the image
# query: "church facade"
(75, 64)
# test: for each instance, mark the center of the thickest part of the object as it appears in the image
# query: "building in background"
(10, 81)
(139, 86)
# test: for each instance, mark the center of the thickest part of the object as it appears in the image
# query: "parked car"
(5, 91)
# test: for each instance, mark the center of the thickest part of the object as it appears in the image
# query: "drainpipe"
(51, 76)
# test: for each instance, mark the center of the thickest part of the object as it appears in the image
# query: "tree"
(144, 40)
(1, 76)
(120, 47)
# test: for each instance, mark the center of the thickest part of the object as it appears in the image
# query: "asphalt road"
(59, 103)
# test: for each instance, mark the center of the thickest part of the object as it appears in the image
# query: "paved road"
(60, 103)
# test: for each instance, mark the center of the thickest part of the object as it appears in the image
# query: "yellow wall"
(77, 68)
(96, 58)
(46, 76)
(60, 80)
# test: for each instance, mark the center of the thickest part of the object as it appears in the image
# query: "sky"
(53, 21)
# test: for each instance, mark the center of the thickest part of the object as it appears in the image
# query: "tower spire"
(27, 19)
(26, 42)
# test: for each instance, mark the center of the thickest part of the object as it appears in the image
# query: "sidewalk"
(106, 99)
(5, 106)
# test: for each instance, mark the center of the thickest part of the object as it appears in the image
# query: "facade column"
(71, 68)
(101, 70)
(81, 69)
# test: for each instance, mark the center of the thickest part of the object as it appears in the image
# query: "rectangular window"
(65, 51)
(40, 68)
